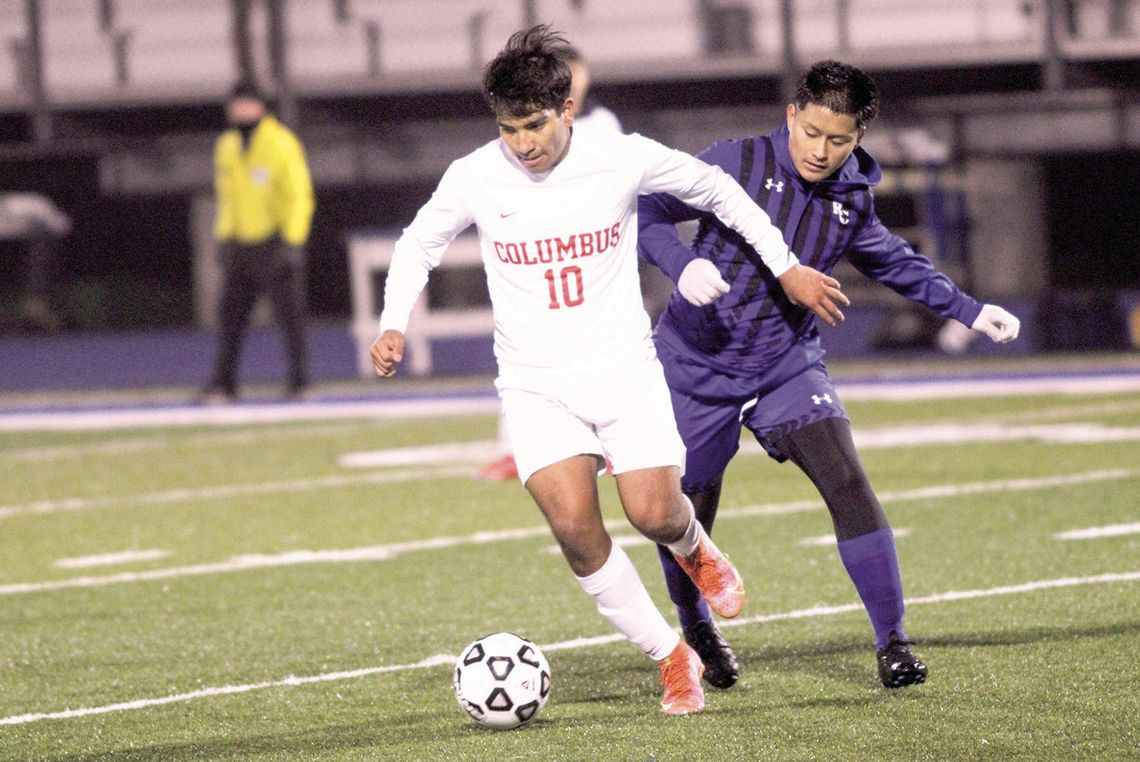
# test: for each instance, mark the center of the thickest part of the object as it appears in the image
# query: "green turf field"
(279, 605)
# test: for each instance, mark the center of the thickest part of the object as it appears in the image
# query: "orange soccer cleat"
(715, 576)
(499, 471)
(681, 673)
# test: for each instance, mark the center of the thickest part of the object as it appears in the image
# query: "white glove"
(700, 283)
(996, 323)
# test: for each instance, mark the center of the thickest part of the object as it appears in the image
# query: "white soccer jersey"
(598, 118)
(560, 247)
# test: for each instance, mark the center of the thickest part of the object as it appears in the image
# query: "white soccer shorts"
(620, 411)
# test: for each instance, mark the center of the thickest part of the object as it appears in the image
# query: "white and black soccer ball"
(502, 680)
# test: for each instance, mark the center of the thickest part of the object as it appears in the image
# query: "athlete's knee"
(825, 451)
(585, 556)
(661, 514)
(576, 529)
(664, 521)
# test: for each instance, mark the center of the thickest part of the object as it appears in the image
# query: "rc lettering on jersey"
(544, 251)
(838, 210)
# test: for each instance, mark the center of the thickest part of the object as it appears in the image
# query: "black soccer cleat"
(899, 665)
(721, 669)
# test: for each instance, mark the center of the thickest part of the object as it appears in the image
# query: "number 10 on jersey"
(570, 293)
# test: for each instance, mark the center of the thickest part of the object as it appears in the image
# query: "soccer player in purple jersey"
(578, 373)
(753, 359)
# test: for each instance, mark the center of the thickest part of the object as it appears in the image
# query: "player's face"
(820, 140)
(540, 139)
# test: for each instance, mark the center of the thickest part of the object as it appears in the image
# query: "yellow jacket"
(264, 190)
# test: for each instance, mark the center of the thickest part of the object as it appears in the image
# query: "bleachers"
(323, 46)
(624, 32)
(877, 24)
(79, 58)
(12, 34)
(175, 49)
(432, 36)
(176, 45)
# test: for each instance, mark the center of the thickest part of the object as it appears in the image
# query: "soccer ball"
(502, 680)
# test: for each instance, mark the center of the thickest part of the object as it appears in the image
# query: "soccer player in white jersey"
(578, 376)
(587, 118)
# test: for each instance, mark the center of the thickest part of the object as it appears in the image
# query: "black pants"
(252, 270)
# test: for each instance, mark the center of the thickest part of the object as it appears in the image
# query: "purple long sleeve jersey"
(754, 324)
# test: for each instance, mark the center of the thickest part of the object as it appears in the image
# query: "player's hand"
(701, 283)
(387, 351)
(998, 324)
(809, 288)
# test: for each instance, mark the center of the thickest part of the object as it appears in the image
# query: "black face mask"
(246, 130)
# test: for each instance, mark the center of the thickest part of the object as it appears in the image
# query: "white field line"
(211, 439)
(823, 540)
(828, 540)
(944, 491)
(244, 415)
(915, 435)
(477, 451)
(195, 415)
(958, 433)
(142, 444)
(431, 661)
(621, 540)
(385, 552)
(473, 452)
(111, 559)
(449, 659)
(226, 491)
(1094, 533)
(1068, 411)
(454, 452)
(1082, 385)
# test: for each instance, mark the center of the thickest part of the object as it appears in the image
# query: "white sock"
(692, 536)
(623, 599)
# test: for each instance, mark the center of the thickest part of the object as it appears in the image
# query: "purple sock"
(691, 607)
(873, 566)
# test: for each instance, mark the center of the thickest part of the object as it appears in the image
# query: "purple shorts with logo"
(712, 405)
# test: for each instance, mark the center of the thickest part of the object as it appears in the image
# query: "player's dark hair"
(841, 88)
(528, 75)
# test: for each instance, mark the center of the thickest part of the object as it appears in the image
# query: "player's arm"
(698, 280)
(657, 239)
(658, 215)
(418, 250)
(707, 187)
(888, 259)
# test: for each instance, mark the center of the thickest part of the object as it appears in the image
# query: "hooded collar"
(859, 172)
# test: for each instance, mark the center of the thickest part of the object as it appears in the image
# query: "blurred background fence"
(1010, 134)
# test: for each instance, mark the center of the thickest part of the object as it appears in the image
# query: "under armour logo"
(771, 184)
(838, 210)
(819, 399)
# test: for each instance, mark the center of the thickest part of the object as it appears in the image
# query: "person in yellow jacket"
(264, 211)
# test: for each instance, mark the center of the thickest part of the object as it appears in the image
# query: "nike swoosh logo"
(508, 214)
